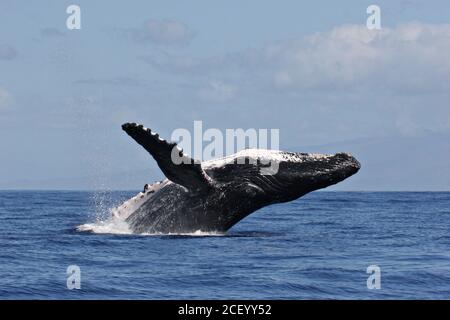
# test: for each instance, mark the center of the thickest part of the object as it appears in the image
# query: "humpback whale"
(214, 195)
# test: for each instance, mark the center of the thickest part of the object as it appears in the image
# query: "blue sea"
(317, 247)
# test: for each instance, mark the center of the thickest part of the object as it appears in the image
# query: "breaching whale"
(214, 195)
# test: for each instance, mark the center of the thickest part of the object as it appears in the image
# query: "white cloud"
(163, 32)
(217, 91)
(410, 57)
(349, 81)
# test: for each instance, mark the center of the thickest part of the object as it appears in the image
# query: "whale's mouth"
(333, 168)
(346, 165)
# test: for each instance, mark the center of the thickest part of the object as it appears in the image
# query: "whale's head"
(299, 173)
(254, 178)
(277, 176)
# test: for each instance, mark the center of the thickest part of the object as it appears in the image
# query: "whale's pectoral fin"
(176, 166)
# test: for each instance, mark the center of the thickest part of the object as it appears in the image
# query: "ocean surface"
(317, 247)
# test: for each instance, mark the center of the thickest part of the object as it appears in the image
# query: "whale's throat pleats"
(176, 166)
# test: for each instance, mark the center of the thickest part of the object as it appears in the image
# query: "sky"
(311, 69)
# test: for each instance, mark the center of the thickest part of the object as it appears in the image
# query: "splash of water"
(114, 226)
(105, 221)
(110, 226)
(109, 217)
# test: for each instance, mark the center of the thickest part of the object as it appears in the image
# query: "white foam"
(198, 233)
(114, 226)
(111, 226)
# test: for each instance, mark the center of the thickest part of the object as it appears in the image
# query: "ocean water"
(317, 247)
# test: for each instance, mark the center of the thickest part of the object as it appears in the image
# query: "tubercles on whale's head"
(301, 173)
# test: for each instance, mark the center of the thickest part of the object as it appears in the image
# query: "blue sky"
(311, 69)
